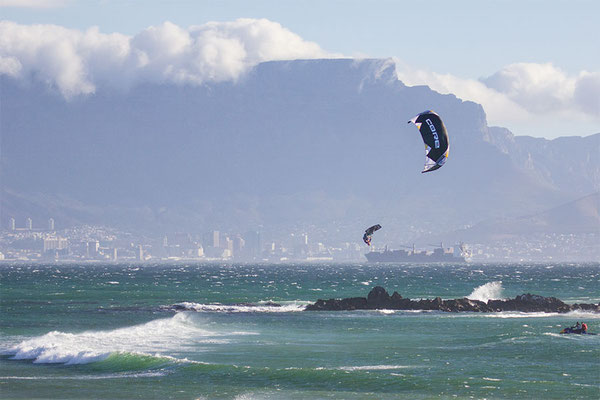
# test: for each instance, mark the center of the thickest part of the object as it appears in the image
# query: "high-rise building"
(29, 224)
(228, 244)
(51, 224)
(140, 253)
(305, 239)
(238, 245)
(211, 239)
(91, 249)
(253, 244)
(55, 243)
(12, 224)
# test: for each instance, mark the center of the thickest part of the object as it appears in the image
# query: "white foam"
(151, 338)
(150, 374)
(489, 291)
(292, 306)
(517, 314)
(374, 367)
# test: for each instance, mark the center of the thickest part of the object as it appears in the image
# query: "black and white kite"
(435, 138)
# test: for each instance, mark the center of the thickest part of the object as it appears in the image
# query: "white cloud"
(531, 99)
(528, 98)
(536, 87)
(497, 105)
(33, 3)
(587, 93)
(78, 62)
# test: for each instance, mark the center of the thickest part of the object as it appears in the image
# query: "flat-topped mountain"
(317, 145)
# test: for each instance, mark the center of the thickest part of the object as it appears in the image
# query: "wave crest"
(149, 339)
(290, 306)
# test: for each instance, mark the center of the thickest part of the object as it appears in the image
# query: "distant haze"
(310, 145)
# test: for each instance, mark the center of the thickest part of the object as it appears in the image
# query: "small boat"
(577, 331)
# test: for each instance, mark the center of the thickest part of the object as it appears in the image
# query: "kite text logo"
(435, 134)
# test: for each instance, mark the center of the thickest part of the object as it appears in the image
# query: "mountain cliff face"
(316, 144)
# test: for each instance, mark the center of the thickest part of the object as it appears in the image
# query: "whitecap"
(374, 367)
(581, 315)
(152, 338)
(149, 374)
(291, 306)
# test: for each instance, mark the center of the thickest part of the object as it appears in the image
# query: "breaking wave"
(489, 291)
(135, 346)
(289, 306)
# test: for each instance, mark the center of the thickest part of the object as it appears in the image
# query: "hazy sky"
(533, 65)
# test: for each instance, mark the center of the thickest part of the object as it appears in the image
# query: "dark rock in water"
(378, 298)
(396, 296)
(530, 303)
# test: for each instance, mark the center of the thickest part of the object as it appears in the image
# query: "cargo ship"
(459, 253)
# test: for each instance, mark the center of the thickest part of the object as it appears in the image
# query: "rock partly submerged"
(379, 299)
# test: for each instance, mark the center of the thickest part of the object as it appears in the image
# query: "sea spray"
(489, 291)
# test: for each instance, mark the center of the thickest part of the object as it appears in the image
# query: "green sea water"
(95, 331)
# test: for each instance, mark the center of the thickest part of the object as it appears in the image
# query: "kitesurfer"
(369, 233)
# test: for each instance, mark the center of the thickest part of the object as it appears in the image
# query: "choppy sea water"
(110, 332)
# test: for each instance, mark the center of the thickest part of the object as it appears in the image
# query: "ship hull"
(404, 256)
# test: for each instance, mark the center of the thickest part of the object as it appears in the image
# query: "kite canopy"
(369, 232)
(435, 138)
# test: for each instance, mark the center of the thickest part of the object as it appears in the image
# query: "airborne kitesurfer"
(369, 232)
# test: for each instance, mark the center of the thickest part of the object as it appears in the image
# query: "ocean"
(111, 331)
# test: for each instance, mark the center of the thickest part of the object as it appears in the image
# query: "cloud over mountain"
(520, 93)
(529, 98)
(77, 62)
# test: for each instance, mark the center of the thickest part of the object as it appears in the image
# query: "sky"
(533, 65)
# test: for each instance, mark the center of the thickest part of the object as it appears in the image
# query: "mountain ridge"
(304, 144)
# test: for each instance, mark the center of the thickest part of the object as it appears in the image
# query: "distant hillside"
(315, 145)
(581, 216)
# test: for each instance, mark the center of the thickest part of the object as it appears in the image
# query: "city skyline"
(105, 244)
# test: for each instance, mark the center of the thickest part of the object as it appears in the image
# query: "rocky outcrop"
(379, 299)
